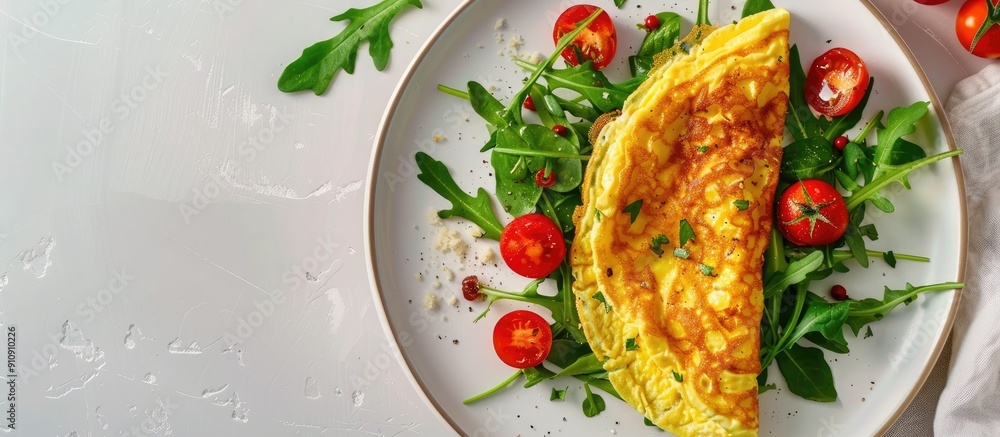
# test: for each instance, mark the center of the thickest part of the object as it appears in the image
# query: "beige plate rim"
(372, 182)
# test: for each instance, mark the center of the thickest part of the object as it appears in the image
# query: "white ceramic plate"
(450, 358)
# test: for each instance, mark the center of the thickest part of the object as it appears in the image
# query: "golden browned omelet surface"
(703, 132)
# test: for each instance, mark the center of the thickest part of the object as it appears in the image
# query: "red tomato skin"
(597, 43)
(532, 245)
(830, 205)
(836, 82)
(970, 16)
(522, 339)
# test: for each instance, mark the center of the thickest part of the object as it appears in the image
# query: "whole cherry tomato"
(812, 213)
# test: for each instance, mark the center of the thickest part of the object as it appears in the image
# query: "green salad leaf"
(477, 209)
(320, 62)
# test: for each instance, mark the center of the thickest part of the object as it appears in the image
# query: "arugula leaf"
(558, 395)
(890, 258)
(620, 3)
(869, 332)
(477, 209)
(677, 376)
(901, 121)
(593, 404)
(800, 120)
(560, 207)
(741, 204)
(319, 63)
(647, 422)
(633, 210)
(865, 311)
(630, 344)
(487, 106)
(756, 6)
(592, 84)
(686, 232)
(854, 237)
(825, 318)
(819, 340)
(794, 274)
(807, 373)
(890, 174)
(600, 298)
(537, 374)
(807, 159)
(656, 245)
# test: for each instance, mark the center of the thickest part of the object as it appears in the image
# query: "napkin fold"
(970, 402)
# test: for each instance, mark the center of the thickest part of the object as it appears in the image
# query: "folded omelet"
(698, 142)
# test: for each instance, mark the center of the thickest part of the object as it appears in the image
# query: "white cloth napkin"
(970, 402)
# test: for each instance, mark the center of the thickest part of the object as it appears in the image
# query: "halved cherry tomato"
(970, 18)
(812, 213)
(532, 245)
(522, 339)
(836, 82)
(598, 42)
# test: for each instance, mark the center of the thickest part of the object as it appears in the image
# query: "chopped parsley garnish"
(656, 244)
(890, 258)
(706, 270)
(630, 344)
(682, 253)
(558, 395)
(677, 376)
(742, 204)
(633, 210)
(597, 214)
(600, 298)
(702, 149)
(686, 232)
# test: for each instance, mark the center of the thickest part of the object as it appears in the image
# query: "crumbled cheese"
(436, 284)
(516, 42)
(450, 241)
(476, 231)
(499, 36)
(431, 301)
(433, 219)
(453, 301)
(448, 274)
(500, 24)
(486, 255)
(437, 138)
(534, 58)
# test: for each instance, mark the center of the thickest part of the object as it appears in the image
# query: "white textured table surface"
(159, 190)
